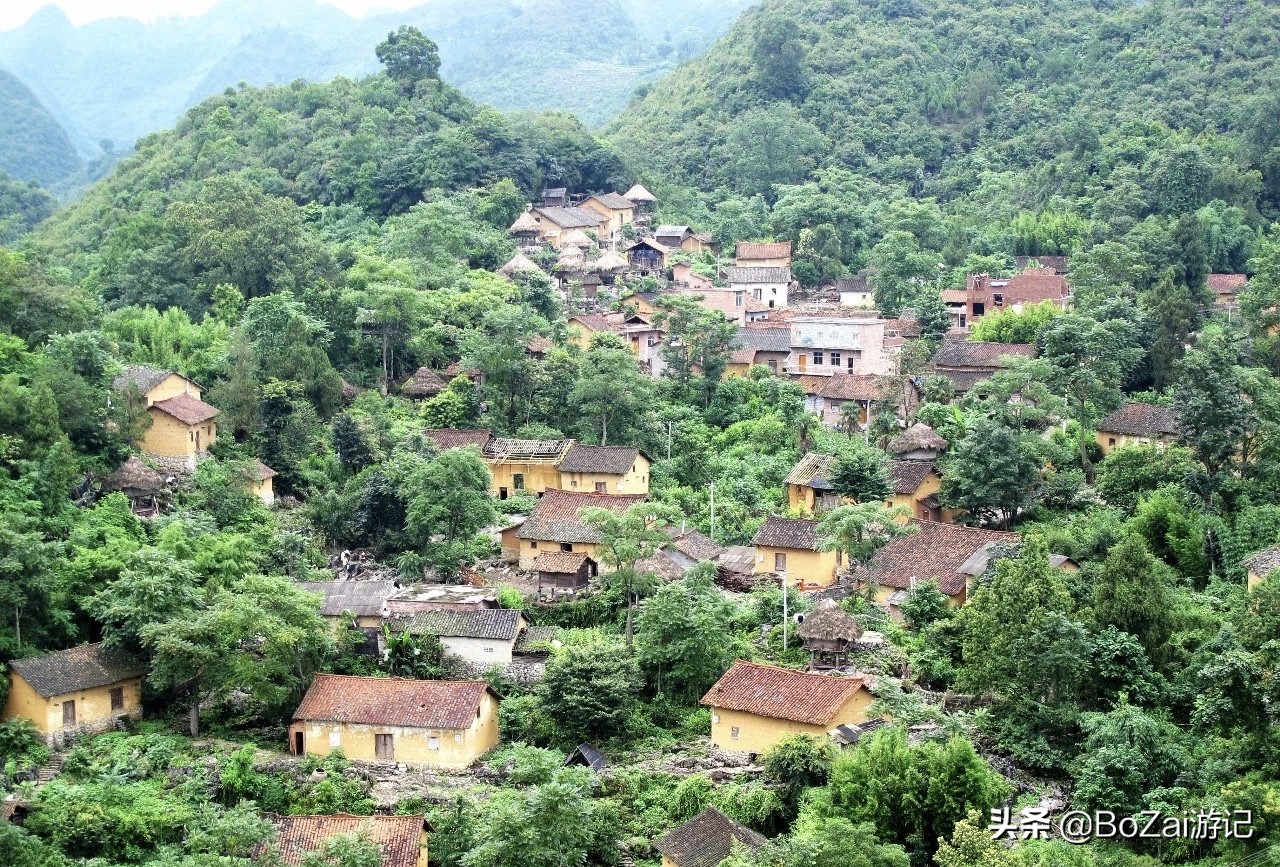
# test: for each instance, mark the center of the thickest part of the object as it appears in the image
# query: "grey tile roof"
(796, 533)
(764, 339)
(616, 460)
(362, 598)
(79, 668)
(907, 476)
(534, 639)
(500, 624)
(1141, 419)
(141, 376)
(766, 274)
(1264, 562)
(616, 201)
(706, 840)
(571, 218)
(971, 353)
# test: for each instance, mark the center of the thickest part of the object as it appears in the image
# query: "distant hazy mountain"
(33, 147)
(119, 79)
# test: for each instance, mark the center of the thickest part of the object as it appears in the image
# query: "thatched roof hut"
(525, 224)
(423, 383)
(610, 261)
(519, 262)
(134, 479)
(918, 439)
(829, 625)
(574, 238)
(639, 195)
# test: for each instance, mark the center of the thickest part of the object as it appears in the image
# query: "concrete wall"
(447, 748)
(756, 734)
(1109, 442)
(484, 651)
(827, 334)
(93, 706)
(811, 567)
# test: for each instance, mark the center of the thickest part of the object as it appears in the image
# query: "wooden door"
(68, 713)
(383, 747)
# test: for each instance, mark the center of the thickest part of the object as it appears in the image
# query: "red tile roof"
(934, 552)
(1226, 284)
(852, 386)
(782, 693)
(399, 837)
(186, 409)
(429, 704)
(778, 250)
(555, 518)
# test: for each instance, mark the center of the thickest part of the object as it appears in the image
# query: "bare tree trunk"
(604, 428)
(386, 373)
(194, 715)
(630, 606)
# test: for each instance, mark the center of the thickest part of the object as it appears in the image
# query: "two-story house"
(182, 425)
(827, 345)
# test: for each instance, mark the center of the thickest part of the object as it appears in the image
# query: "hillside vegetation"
(33, 146)
(1038, 128)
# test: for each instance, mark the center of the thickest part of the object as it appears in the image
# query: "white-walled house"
(827, 345)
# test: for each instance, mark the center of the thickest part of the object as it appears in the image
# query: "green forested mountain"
(33, 147)
(119, 79)
(1037, 127)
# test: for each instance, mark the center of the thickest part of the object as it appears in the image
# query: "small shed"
(555, 197)
(525, 227)
(574, 238)
(424, 383)
(848, 734)
(519, 262)
(609, 262)
(587, 756)
(639, 196)
(140, 483)
(828, 633)
(647, 257)
(563, 573)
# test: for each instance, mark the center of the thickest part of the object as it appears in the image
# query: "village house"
(526, 231)
(827, 345)
(808, 485)
(75, 692)
(1226, 289)
(705, 840)
(636, 328)
(683, 238)
(563, 573)
(769, 347)
(524, 466)
(987, 294)
(1258, 566)
(423, 384)
(358, 604)
(617, 210)
(828, 633)
(431, 722)
(682, 273)
(554, 525)
(582, 327)
(1137, 424)
(833, 400)
(647, 257)
(855, 292)
(763, 254)
(688, 548)
(641, 198)
(605, 470)
(969, 363)
(182, 426)
(948, 554)
(520, 264)
(789, 546)
(554, 223)
(401, 840)
(260, 484)
(417, 598)
(140, 483)
(484, 636)
(766, 286)
(754, 706)
(555, 197)
(915, 488)
(735, 305)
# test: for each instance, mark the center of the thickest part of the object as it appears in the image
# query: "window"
(653, 340)
(383, 747)
(69, 713)
(739, 298)
(779, 562)
(757, 294)
(574, 484)
(819, 358)
(517, 481)
(457, 739)
(488, 649)
(997, 299)
(963, 320)
(533, 543)
(773, 366)
(433, 742)
(566, 546)
(733, 733)
(979, 308)
(1111, 441)
(602, 487)
(117, 698)
(835, 359)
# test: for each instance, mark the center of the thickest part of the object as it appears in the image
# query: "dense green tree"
(590, 691)
(862, 475)
(448, 503)
(1132, 593)
(409, 56)
(611, 393)
(626, 538)
(683, 640)
(991, 474)
(858, 531)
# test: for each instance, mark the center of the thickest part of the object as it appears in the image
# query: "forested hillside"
(33, 147)
(120, 79)
(1036, 127)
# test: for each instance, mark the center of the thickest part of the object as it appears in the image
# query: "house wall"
(486, 651)
(775, 262)
(931, 485)
(756, 734)
(800, 497)
(616, 218)
(172, 386)
(454, 749)
(634, 481)
(531, 548)
(845, 336)
(538, 477)
(171, 438)
(1109, 442)
(811, 567)
(773, 294)
(93, 706)
(264, 491)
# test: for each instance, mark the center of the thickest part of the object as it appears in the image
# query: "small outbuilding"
(424, 383)
(828, 633)
(140, 483)
(563, 573)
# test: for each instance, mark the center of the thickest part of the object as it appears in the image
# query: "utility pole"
(712, 487)
(785, 618)
(669, 440)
